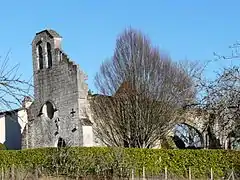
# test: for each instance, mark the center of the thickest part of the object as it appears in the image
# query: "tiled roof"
(126, 87)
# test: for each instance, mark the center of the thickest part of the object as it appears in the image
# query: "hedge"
(2, 147)
(98, 159)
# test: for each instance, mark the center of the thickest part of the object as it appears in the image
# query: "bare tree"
(142, 93)
(222, 101)
(220, 97)
(13, 88)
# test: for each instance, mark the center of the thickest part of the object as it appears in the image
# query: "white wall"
(87, 136)
(2, 129)
(22, 119)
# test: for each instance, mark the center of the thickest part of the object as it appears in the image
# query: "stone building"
(12, 124)
(58, 114)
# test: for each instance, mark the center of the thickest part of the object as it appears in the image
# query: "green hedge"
(95, 159)
(2, 147)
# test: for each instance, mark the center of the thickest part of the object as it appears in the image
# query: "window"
(48, 110)
(40, 56)
(49, 55)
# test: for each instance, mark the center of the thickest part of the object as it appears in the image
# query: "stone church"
(58, 116)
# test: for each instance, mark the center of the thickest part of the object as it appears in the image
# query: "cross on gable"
(72, 112)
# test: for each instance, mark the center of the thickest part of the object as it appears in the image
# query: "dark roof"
(10, 112)
(51, 33)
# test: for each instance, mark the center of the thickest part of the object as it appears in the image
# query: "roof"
(51, 33)
(10, 112)
(126, 87)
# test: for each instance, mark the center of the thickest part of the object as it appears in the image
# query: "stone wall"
(60, 95)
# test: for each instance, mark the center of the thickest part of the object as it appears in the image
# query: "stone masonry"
(57, 115)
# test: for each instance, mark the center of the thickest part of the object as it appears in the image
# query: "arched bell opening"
(40, 55)
(49, 55)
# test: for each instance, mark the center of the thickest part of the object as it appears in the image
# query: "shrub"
(2, 147)
(93, 160)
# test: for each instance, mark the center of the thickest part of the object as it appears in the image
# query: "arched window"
(48, 110)
(49, 55)
(40, 56)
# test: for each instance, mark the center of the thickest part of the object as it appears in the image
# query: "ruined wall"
(60, 110)
(60, 95)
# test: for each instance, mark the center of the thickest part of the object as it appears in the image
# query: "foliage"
(94, 160)
(168, 143)
(2, 147)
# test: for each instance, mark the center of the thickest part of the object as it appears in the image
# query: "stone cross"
(72, 112)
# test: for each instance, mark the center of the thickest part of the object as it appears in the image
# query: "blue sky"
(185, 29)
